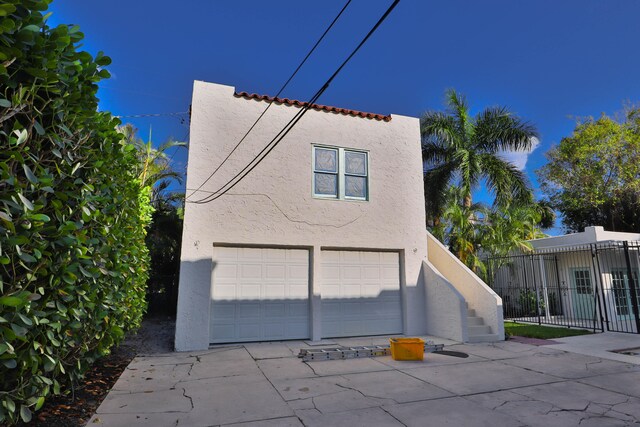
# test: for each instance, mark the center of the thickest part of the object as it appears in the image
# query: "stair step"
(479, 330)
(483, 338)
(475, 321)
(471, 312)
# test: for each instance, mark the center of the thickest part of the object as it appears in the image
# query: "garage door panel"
(259, 294)
(360, 293)
(250, 254)
(298, 272)
(274, 310)
(350, 272)
(249, 291)
(298, 291)
(390, 273)
(248, 311)
(223, 312)
(275, 271)
(225, 291)
(274, 291)
(296, 329)
(298, 309)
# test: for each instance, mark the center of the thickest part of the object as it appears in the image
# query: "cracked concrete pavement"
(265, 384)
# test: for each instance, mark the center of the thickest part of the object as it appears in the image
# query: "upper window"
(339, 173)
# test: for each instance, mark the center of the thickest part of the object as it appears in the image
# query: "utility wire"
(152, 115)
(266, 150)
(276, 140)
(277, 94)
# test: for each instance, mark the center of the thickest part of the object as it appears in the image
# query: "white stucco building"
(585, 279)
(324, 238)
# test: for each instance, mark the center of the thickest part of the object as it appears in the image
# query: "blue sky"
(549, 61)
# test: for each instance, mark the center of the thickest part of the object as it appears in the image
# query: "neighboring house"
(325, 238)
(587, 279)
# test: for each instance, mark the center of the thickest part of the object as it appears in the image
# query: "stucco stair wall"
(482, 319)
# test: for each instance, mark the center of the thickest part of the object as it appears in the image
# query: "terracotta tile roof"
(318, 107)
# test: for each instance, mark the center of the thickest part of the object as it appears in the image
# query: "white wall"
(274, 204)
(480, 297)
(446, 309)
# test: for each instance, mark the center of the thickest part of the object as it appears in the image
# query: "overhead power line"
(180, 113)
(287, 128)
(277, 94)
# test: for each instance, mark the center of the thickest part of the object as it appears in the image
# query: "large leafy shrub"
(72, 213)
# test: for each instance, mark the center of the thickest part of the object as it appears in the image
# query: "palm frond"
(436, 181)
(459, 109)
(498, 129)
(505, 181)
(438, 128)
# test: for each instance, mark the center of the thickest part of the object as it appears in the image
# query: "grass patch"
(543, 332)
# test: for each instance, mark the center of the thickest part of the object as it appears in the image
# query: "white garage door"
(360, 293)
(259, 294)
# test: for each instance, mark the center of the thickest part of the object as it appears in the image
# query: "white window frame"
(341, 173)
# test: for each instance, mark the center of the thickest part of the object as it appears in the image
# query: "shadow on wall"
(272, 319)
(259, 310)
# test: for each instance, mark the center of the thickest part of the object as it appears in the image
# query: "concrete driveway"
(503, 384)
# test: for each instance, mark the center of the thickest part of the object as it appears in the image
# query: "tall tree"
(164, 235)
(463, 150)
(155, 170)
(593, 176)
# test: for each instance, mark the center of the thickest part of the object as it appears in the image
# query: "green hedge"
(73, 263)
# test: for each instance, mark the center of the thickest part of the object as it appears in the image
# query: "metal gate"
(592, 286)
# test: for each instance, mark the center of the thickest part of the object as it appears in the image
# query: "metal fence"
(591, 286)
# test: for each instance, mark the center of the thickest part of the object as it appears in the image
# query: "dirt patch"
(75, 408)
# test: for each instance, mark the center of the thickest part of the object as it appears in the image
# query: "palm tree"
(155, 170)
(461, 228)
(461, 150)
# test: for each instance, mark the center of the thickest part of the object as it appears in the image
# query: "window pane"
(326, 184)
(355, 186)
(355, 163)
(326, 160)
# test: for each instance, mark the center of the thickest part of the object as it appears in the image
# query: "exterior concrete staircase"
(477, 330)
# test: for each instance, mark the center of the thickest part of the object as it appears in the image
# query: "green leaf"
(27, 203)
(19, 330)
(27, 257)
(29, 173)
(11, 406)
(10, 363)
(31, 28)
(6, 9)
(5, 103)
(39, 403)
(3, 347)
(11, 301)
(5, 216)
(39, 128)
(22, 135)
(25, 319)
(49, 364)
(40, 217)
(25, 413)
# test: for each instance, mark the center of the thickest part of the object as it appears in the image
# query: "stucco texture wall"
(274, 204)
